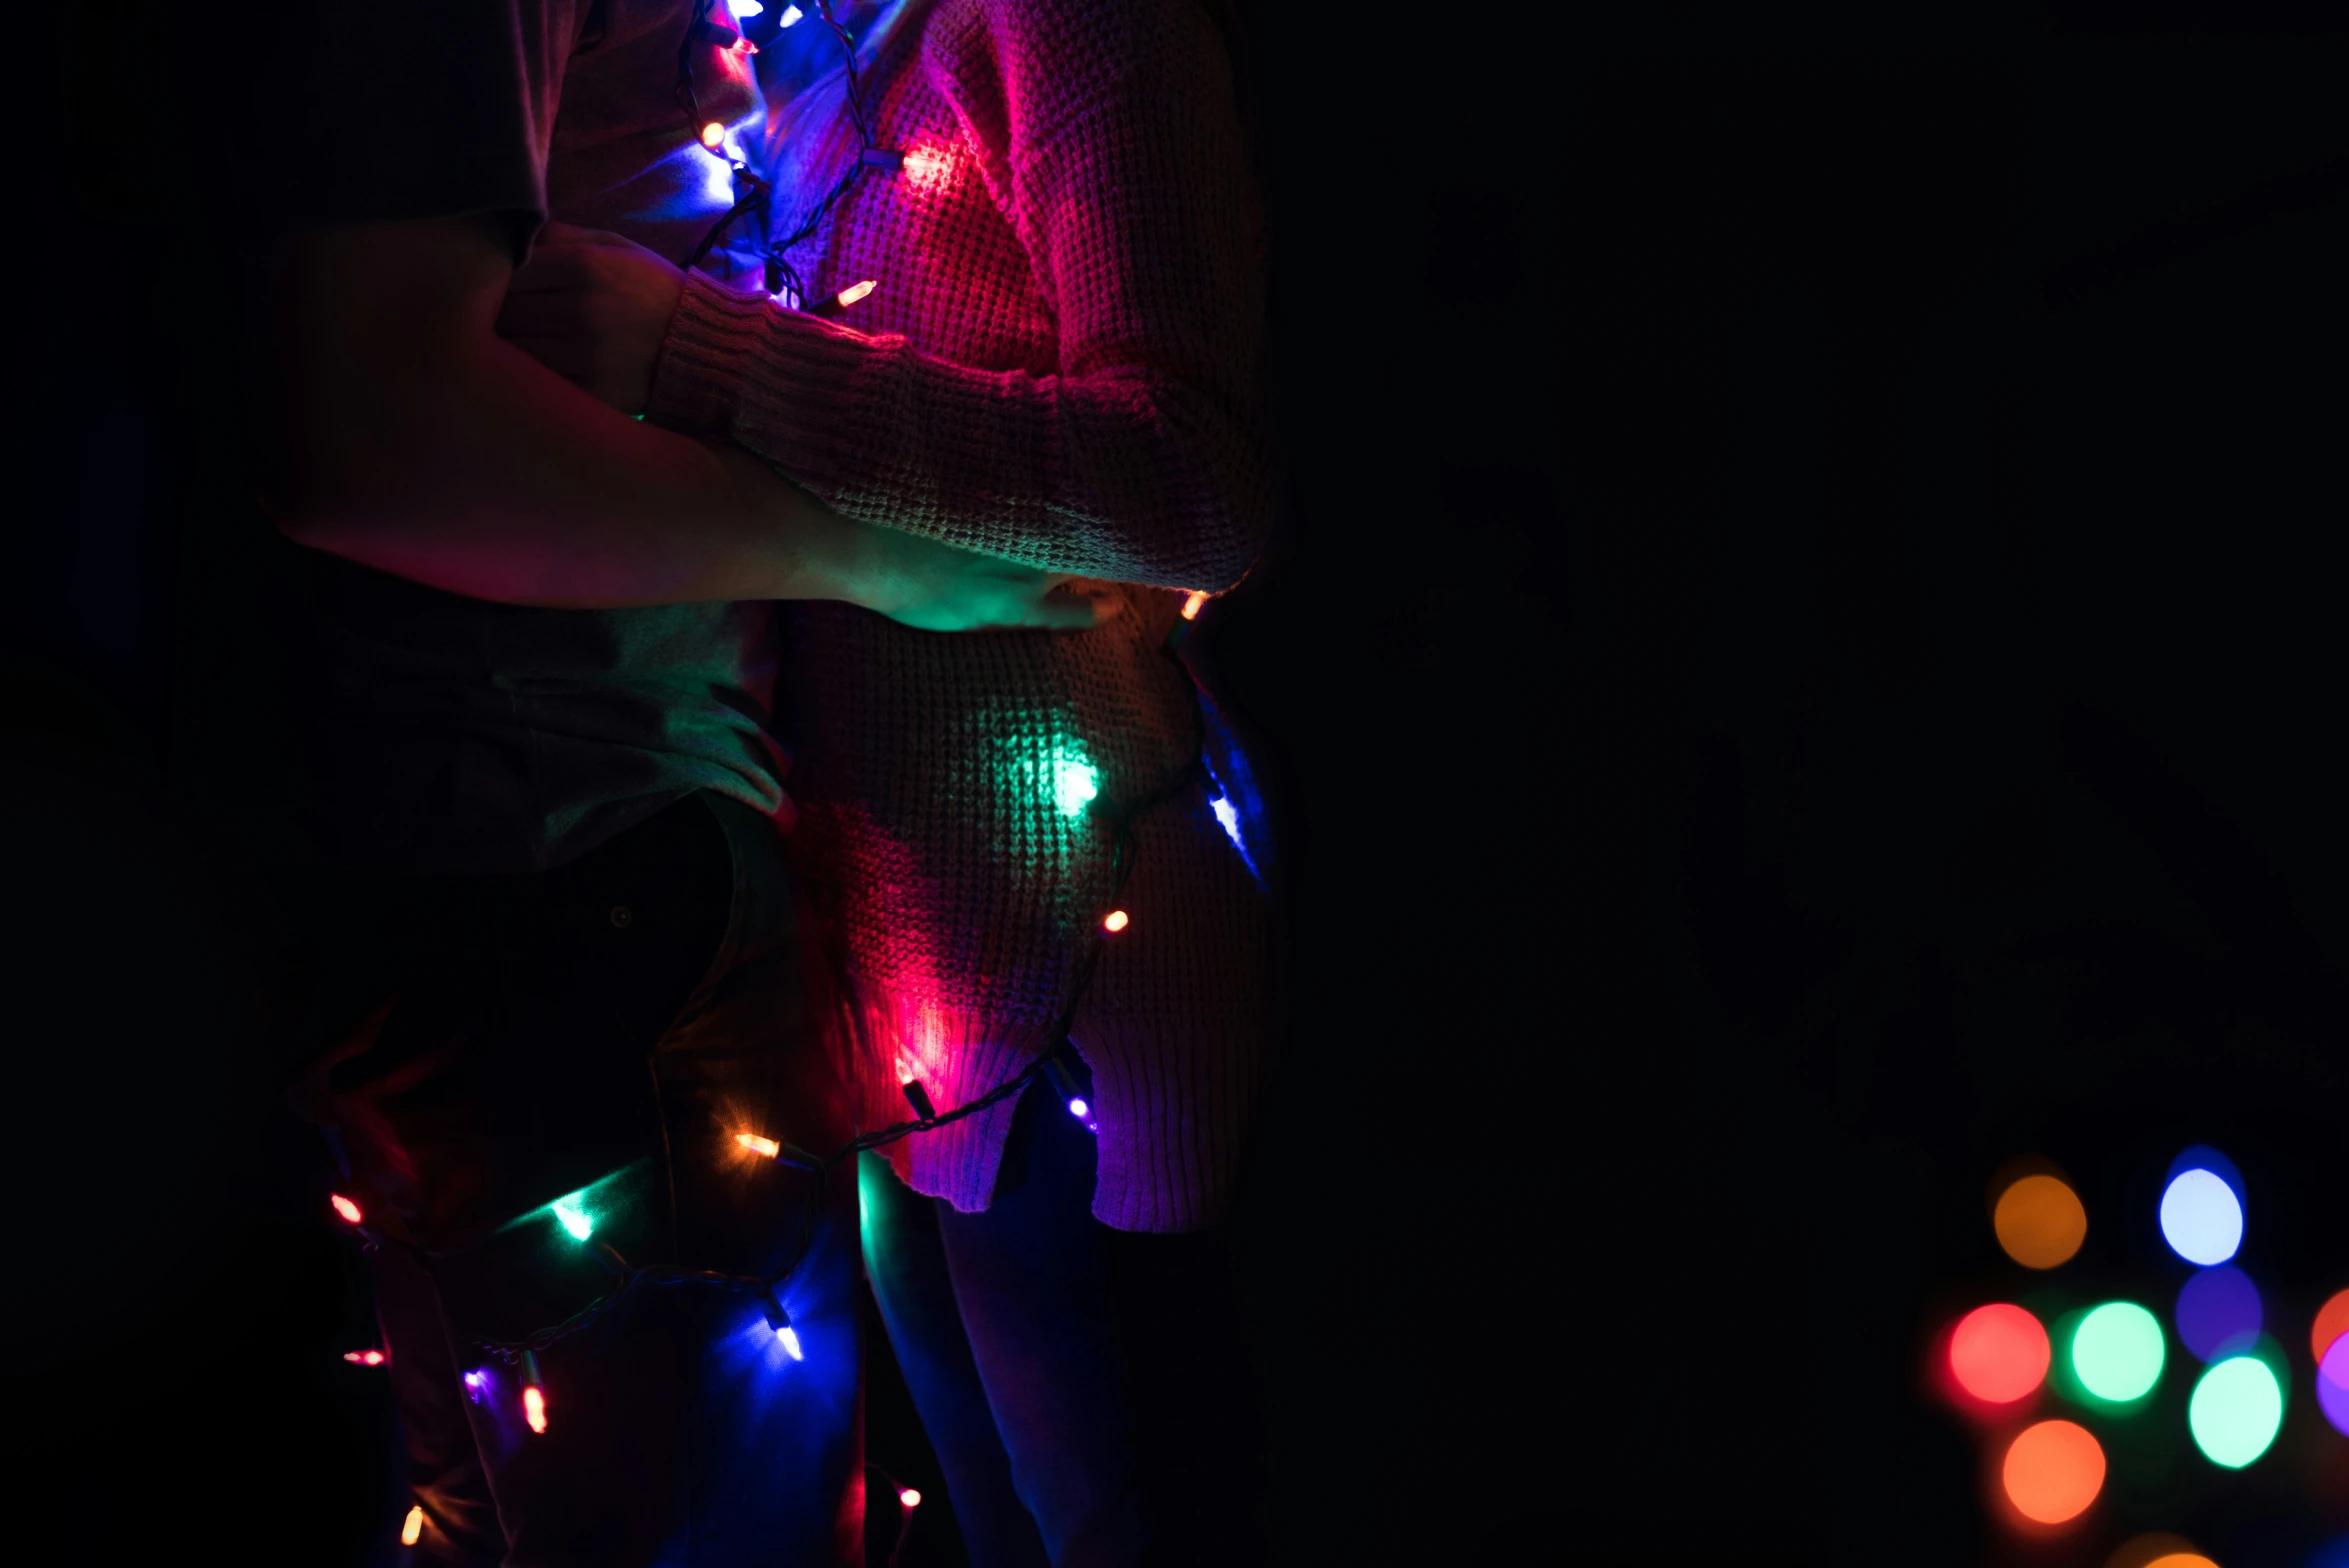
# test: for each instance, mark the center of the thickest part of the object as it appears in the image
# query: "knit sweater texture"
(1057, 366)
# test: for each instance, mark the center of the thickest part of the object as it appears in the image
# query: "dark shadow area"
(1802, 662)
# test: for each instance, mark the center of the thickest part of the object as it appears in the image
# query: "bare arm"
(411, 438)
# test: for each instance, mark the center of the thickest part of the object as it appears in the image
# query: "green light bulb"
(1074, 784)
(574, 1218)
(2236, 1411)
(2118, 1351)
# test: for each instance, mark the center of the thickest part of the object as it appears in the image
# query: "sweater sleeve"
(1109, 129)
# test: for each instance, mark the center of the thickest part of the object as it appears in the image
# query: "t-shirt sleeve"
(418, 109)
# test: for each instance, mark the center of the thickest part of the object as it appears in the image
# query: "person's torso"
(957, 782)
(465, 737)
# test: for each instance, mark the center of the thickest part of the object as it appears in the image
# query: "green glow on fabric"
(2118, 1352)
(1074, 784)
(2236, 1411)
(573, 1217)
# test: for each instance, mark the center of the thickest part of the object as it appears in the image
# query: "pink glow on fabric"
(931, 168)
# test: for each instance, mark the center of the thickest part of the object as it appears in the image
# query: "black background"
(1802, 661)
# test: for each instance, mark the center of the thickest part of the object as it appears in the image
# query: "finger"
(1061, 610)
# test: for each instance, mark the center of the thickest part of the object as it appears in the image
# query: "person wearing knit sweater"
(1055, 365)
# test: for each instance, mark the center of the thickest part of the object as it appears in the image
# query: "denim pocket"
(513, 1069)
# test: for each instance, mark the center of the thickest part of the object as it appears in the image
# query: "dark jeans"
(1087, 1390)
(600, 1033)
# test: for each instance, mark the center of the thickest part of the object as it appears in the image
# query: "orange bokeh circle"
(2332, 1321)
(2040, 1222)
(2182, 1560)
(2053, 1471)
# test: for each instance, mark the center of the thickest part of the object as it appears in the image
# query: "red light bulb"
(345, 1207)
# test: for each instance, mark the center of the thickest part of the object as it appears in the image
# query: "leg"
(907, 1266)
(1033, 1282)
(1113, 1362)
(445, 1477)
(594, 1047)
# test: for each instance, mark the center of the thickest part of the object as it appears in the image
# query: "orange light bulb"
(413, 1530)
(534, 1409)
(1115, 921)
(854, 292)
(758, 1145)
(712, 134)
(1194, 604)
(345, 1207)
(910, 1498)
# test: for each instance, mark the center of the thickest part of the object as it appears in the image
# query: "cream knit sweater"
(1057, 366)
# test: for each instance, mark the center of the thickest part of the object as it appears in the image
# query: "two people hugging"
(738, 730)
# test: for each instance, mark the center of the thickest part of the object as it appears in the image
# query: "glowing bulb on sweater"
(713, 135)
(364, 1358)
(1115, 921)
(345, 1207)
(780, 1321)
(909, 1498)
(1194, 604)
(476, 1385)
(412, 1530)
(758, 1145)
(790, 17)
(854, 292)
(1074, 784)
(1229, 815)
(927, 169)
(573, 1218)
(533, 1396)
(915, 1095)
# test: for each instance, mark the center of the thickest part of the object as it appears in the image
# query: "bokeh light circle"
(2201, 1218)
(2118, 1351)
(2332, 1321)
(2236, 1411)
(2143, 1551)
(2332, 1385)
(1999, 1353)
(2040, 1222)
(2219, 1313)
(2053, 1471)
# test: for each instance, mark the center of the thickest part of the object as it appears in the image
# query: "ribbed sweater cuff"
(697, 381)
(789, 386)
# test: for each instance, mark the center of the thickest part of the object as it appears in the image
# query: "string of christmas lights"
(753, 193)
(569, 1212)
(753, 190)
